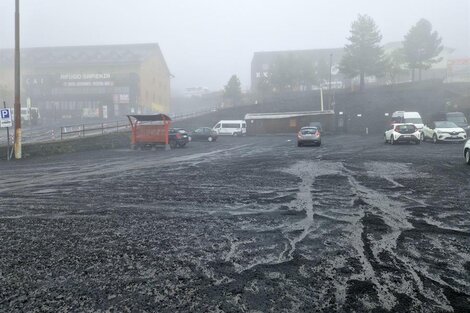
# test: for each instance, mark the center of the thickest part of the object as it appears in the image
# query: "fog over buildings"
(206, 41)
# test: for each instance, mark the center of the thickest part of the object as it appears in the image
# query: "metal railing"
(82, 130)
(53, 133)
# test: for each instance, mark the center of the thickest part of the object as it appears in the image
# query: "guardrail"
(44, 133)
(82, 130)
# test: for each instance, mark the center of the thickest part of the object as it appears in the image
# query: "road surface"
(250, 224)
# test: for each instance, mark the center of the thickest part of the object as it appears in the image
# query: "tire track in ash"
(352, 230)
(76, 172)
(386, 222)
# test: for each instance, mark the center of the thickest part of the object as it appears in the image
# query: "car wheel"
(319, 144)
(210, 139)
(421, 137)
(235, 134)
(434, 138)
(418, 142)
(385, 138)
(467, 156)
(299, 144)
(392, 141)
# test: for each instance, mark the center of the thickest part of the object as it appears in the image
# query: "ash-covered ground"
(249, 224)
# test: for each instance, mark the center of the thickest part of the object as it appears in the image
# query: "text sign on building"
(5, 118)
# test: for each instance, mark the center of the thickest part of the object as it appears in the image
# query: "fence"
(83, 130)
(44, 133)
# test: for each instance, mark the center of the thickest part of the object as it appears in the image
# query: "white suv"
(402, 132)
(466, 152)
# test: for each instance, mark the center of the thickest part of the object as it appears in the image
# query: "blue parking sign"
(5, 118)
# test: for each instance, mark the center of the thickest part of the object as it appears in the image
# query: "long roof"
(272, 116)
(83, 55)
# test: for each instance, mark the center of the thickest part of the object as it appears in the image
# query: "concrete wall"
(109, 141)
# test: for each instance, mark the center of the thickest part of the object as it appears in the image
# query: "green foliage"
(292, 72)
(422, 46)
(363, 55)
(232, 90)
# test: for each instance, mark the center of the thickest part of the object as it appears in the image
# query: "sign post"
(5, 121)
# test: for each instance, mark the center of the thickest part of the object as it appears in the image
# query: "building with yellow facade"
(91, 81)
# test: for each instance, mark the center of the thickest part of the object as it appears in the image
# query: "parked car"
(178, 137)
(457, 117)
(230, 127)
(308, 136)
(402, 132)
(404, 117)
(204, 134)
(443, 131)
(466, 152)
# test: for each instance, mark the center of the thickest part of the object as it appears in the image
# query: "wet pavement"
(250, 224)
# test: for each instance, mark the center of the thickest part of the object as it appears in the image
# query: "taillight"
(318, 133)
(178, 136)
(397, 129)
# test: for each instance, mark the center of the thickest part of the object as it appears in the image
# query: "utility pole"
(329, 84)
(17, 82)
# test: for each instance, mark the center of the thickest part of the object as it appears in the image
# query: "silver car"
(308, 136)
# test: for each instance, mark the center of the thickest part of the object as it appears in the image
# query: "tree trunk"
(362, 83)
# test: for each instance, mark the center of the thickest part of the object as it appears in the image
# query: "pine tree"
(421, 47)
(232, 91)
(364, 55)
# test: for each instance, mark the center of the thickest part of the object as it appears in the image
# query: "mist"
(205, 42)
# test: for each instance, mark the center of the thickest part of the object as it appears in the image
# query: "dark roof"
(83, 55)
(150, 117)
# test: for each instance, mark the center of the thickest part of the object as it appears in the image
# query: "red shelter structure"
(149, 130)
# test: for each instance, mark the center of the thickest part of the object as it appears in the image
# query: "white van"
(231, 127)
(408, 117)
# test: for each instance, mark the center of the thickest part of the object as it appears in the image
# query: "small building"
(91, 81)
(287, 122)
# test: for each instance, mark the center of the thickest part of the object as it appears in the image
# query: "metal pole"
(8, 136)
(321, 99)
(329, 84)
(17, 82)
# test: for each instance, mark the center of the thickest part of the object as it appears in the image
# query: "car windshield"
(309, 131)
(445, 124)
(406, 128)
(415, 120)
(458, 119)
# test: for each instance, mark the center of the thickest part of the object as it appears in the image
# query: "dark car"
(204, 134)
(178, 137)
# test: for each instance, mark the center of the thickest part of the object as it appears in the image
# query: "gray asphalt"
(250, 224)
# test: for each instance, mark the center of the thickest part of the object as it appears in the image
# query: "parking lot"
(245, 224)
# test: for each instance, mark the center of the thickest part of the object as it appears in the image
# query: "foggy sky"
(206, 41)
